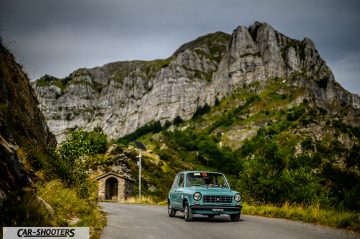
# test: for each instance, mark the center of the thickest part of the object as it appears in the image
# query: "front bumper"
(215, 209)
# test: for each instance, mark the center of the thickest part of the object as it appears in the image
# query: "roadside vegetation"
(309, 214)
(145, 200)
(71, 209)
(65, 194)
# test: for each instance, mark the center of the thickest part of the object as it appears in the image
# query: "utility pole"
(140, 176)
(140, 146)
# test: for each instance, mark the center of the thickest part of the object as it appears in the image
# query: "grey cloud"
(347, 69)
(56, 37)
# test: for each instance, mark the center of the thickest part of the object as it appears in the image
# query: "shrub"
(262, 174)
(154, 127)
(178, 120)
(201, 110)
(75, 155)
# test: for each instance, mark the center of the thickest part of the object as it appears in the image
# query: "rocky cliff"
(123, 96)
(22, 129)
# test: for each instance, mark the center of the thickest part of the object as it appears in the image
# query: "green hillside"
(274, 148)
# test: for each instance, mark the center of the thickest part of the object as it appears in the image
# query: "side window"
(181, 181)
(175, 183)
(221, 181)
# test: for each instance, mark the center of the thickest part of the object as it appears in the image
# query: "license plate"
(217, 210)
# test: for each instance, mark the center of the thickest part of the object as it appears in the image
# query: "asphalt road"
(143, 221)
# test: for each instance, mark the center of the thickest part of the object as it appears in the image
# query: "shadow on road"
(201, 218)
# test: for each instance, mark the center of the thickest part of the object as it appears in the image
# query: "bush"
(301, 186)
(83, 143)
(343, 186)
(207, 150)
(261, 176)
(178, 120)
(295, 113)
(77, 153)
(201, 110)
(147, 128)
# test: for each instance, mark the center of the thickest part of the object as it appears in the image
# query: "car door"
(179, 192)
(172, 193)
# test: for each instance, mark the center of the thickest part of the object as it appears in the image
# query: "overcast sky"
(57, 37)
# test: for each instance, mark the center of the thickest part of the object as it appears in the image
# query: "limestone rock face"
(120, 97)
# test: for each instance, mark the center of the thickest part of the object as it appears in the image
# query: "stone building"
(115, 187)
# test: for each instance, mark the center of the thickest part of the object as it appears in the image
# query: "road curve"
(131, 221)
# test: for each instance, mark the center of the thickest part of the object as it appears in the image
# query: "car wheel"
(188, 213)
(171, 211)
(235, 217)
(211, 216)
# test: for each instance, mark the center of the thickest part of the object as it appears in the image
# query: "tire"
(188, 213)
(235, 217)
(171, 211)
(211, 216)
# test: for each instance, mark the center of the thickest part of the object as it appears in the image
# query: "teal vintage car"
(206, 193)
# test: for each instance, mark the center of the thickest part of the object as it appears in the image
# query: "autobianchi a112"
(206, 193)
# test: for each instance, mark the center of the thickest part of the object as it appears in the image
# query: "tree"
(76, 153)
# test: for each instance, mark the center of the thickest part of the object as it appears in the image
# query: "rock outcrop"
(120, 97)
(21, 124)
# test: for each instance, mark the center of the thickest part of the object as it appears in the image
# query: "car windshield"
(206, 179)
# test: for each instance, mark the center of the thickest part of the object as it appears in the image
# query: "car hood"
(212, 190)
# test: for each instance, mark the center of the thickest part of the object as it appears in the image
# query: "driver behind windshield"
(211, 181)
(197, 179)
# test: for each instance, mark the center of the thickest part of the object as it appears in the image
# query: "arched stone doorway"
(111, 189)
(113, 186)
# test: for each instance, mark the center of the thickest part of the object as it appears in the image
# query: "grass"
(70, 209)
(308, 214)
(144, 200)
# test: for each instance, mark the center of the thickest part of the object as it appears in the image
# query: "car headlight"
(237, 197)
(197, 196)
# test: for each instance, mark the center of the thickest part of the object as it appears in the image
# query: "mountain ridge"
(121, 97)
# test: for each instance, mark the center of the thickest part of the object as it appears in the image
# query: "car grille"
(218, 199)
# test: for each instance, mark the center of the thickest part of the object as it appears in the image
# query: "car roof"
(199, 171)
